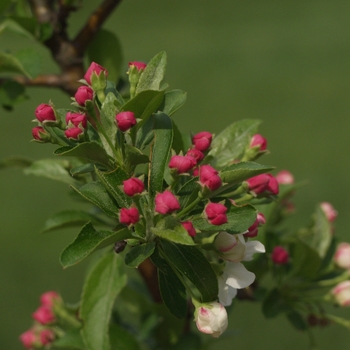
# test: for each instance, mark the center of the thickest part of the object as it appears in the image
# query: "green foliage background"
(286, 63)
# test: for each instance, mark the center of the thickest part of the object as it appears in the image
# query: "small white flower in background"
(211, 318)
(342, 255)
(341, 293)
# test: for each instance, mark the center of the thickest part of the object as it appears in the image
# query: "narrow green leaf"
(145, 134)
(104, 282)
(274, 303)
(121, 339)
(97, 194)
(189, 192)
(24, 26)
(135, 156)
(170, 228)
(71, 340)
(230, 144)
(30, 60)
(172, 290)
(160, 152)
(10, 64)
(91, 151)
(139, 253)
(15, 162)
(54, 169)
(89, 240)
(173, 100)
(12, 93)
(69, 218)
(297, 320)
(178, 144)
(191, 262)
(239, 220)
(153, 74)
(106, 50)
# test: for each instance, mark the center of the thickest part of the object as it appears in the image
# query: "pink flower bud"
(263, 183)
(182, 163)
(73, 133)
(44, 314)
(166, 203)
(258, 141)
(341, 293)
(133, 186)
(77, 119)
(329, 211)
(196, 154)
(45, 112)
(46, 336)
(188, 226)
(231, 248)
(195, 172)
(94, 68)
(284, 177)
(128, 216)
(83, 94)
(202, 140)
(211, 319)
(40, 134)
(216, 213)
(253, 230)
(279, 256)
(209, 177)
(125, 120)
(48, 298)
(342, 255)
(139, 65)
(29, 339)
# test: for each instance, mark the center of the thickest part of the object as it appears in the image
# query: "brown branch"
(150, 276)
(93, 24)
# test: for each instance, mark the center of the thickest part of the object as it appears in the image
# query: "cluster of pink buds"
(41, 334)
(76, 124)
(264, 184)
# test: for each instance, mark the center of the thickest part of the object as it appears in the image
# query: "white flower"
(342, 255)
(341, 293)
(211, 318)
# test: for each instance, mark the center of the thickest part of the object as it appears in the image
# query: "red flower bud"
(195, 172)
(209, 177)
(166, 203)
(45, 112)
(83, 94)
(125, 120)
(94, 68)
(279, 255)
(129, 216)
(329, 211)
(49, 298)
(133, 186)
(258, 141)
(76, 119)
(40, 134)
(73, 133)
(253, 230)
(284, 177)
(182, 163)
(202, 140)
(216, 213)
(188, 226)
(196, 154)
(46, 336)
(29, 339)
(44, 314)
(139, 65)
(263, 183)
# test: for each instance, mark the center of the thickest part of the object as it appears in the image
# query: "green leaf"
(71, 340)
(121, 339)
(297, 320)
(191, 262)
(104, 282)
(153, 74)
(15, 162)
(91, 151)
(173, 100)
(10, 64)
(189, 192)
(89, 240)
(97, 194)
(30, 61)
(239, 220)
(160, 152)
(170, 228)
(239, 172)
(24, 26)
(69, 218)
(274, 303)
(3, 5)
(112, 181)
(145, 134)
(178, 144)
(54, 169)
(172, 290)
(139, 253)
(135, 156)
(230, 144)
(11, 93)
(105, 49)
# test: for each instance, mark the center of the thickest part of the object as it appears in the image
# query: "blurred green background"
(284, 62)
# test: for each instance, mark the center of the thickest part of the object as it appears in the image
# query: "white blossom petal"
(237, 276)
(252, 247)
(226, 292)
